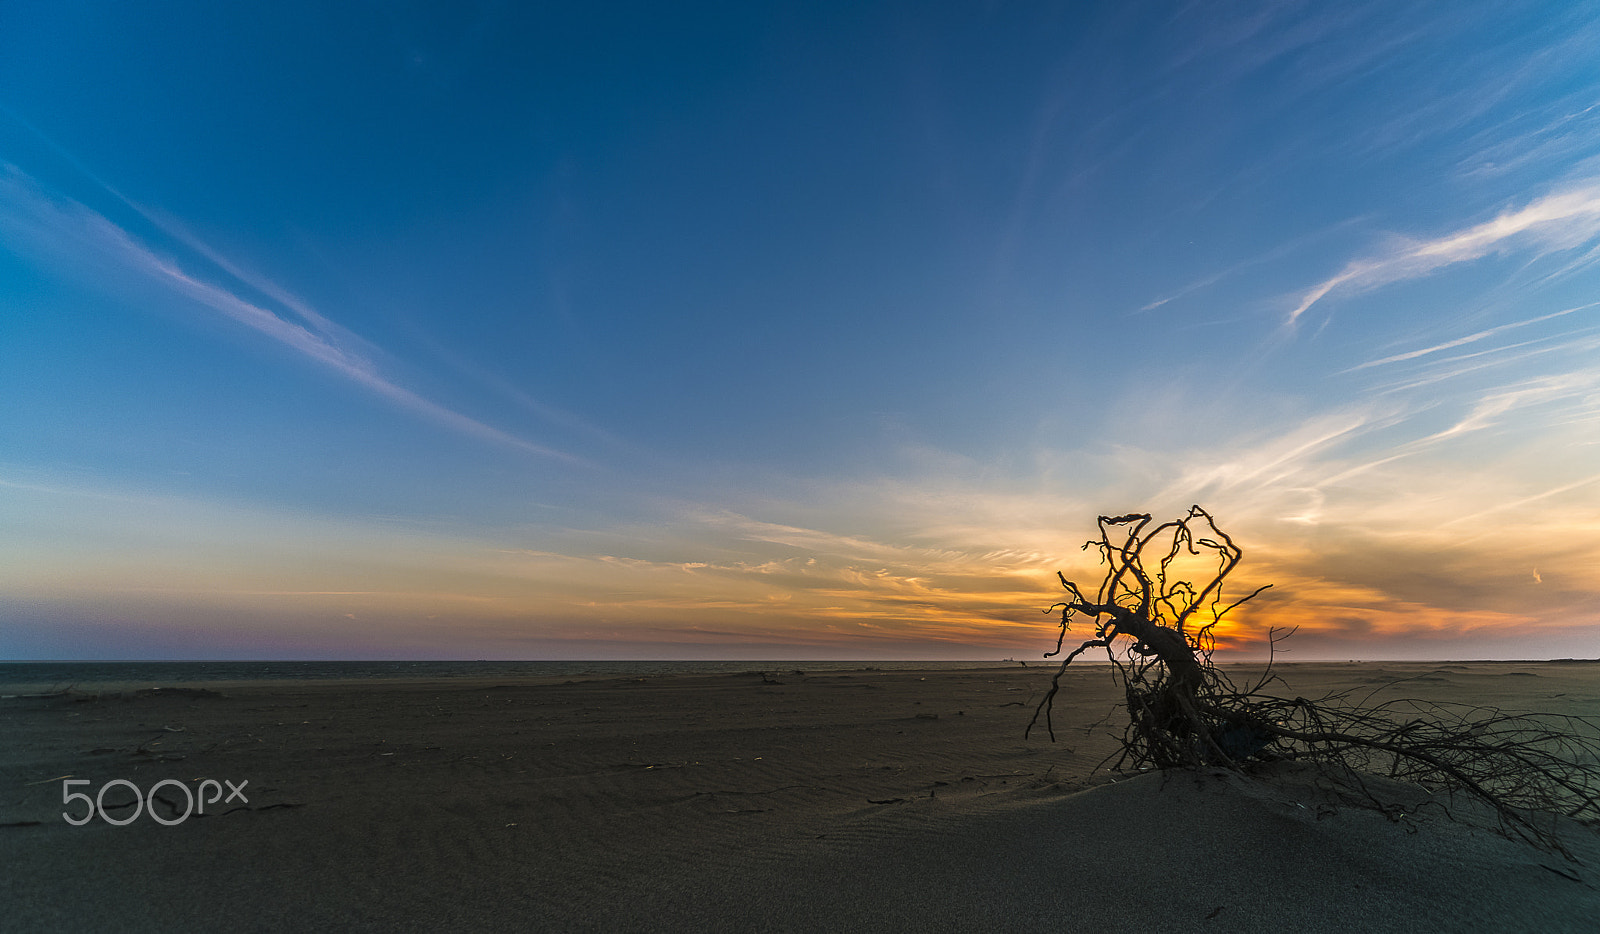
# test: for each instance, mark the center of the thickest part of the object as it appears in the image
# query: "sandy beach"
(771, 801)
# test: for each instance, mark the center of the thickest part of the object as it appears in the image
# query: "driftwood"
(1157, 631)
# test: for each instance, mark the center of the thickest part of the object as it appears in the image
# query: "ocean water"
(23, 677)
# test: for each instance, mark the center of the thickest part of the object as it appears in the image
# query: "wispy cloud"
(1276, 253)
(1492, 407)
(1470, 338)
(1573, 345)
(1269, 464)
(1558, 221)
(62, 226)
(179, 232)
(1529, 500)
(1562, 134)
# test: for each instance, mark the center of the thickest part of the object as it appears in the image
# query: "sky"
(791, 330)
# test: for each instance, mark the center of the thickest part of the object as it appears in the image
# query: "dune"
(886, 801)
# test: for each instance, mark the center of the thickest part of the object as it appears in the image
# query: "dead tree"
(1155, 620)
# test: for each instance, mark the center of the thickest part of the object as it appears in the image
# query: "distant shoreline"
(33, 677)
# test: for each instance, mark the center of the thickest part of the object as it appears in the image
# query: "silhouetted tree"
(1155, 620)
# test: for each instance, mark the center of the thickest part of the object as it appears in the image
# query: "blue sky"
(790, 331)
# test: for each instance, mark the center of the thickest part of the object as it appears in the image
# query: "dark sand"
(884, 801)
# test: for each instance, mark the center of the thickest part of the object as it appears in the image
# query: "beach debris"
(280, 805)
(1156, 612)
(68, 691)
(177, 692)
(1562, 872)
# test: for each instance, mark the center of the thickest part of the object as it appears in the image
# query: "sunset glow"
(826, 331)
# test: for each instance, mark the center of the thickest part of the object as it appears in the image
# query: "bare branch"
(1184, 713)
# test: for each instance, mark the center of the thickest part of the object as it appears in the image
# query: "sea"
(30, 677)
